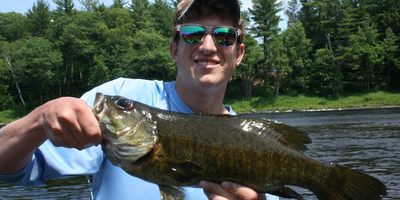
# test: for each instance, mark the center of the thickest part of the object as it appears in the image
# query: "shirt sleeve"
(49, 161)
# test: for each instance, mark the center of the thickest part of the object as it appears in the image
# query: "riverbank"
(322, 110)
(12, 114)
(302, 103)
(282, 103)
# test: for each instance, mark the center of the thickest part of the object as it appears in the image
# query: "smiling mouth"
(206, 63)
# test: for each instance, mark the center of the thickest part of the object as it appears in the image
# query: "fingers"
(214, 191)
(71, 130)
(89, 126)
(229, 190)
(69, 122)
(241, 191)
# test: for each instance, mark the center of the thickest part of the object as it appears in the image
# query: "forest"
(329, 48)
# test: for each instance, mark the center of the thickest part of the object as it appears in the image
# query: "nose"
(208, 46)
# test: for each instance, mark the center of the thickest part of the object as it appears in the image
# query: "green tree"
(297, 48)
(292, 11)
(141, 13)
(115, 49)
(77, 37)
(385, 14)
(163, 15)
(38, 18)
(12, 26)
(115, 58)
(264, 15)
(309, 19)
(89, 5)
(118, 4)
(319, 19)
(119, 18)
(246, 70)
(265, 18)
(100, 8)
(365, 54)
(42, 61)
(324, 77)
(152, 59)
(6, 98)
(391, 62)
(346, 26)
(99, 72)
(64, 7)
(14, 61)
(82, 35)
(278, 61)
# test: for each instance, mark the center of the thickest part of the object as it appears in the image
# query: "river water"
(364, 140)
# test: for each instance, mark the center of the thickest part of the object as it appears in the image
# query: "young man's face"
(206, 66)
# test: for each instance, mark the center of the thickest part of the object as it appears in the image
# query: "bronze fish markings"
(175, 149)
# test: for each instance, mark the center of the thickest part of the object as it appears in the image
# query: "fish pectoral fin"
(287, 193)
(180, 170)
(171, 192)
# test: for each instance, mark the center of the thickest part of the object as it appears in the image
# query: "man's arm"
(66, 122)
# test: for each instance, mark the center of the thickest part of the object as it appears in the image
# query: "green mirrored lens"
(225, 36)
(192, 34)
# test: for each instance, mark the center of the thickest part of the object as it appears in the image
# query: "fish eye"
(124, 104)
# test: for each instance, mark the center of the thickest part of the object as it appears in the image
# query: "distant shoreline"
(253, 111)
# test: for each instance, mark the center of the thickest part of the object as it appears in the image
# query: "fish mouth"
(98, 105)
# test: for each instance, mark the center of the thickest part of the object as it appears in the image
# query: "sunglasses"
(224, 36)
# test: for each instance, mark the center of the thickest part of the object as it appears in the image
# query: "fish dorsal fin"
(180, 170)
(171, 192)
(287, 135)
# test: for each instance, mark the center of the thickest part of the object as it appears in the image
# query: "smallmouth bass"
(174, 149)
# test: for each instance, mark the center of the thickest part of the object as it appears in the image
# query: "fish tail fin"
(352, 185)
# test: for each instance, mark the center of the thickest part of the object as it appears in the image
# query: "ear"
(239, 54)
(173, 50)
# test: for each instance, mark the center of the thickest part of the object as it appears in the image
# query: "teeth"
(206, 63)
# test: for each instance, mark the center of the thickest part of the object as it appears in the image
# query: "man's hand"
(66, 121)
(69, 122)
(229, 190)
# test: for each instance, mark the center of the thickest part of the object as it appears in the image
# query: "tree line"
(329, 48)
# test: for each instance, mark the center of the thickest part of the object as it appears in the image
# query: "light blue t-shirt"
(109, 181)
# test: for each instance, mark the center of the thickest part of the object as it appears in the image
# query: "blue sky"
(22, 6)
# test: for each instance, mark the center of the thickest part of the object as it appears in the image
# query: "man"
(49, 142)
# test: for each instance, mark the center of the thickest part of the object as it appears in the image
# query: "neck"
(208, 101)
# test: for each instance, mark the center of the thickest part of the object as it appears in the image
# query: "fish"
(174, 150)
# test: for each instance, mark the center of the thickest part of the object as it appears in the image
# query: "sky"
(22, 6)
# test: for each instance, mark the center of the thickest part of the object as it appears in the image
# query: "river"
(364, 140)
